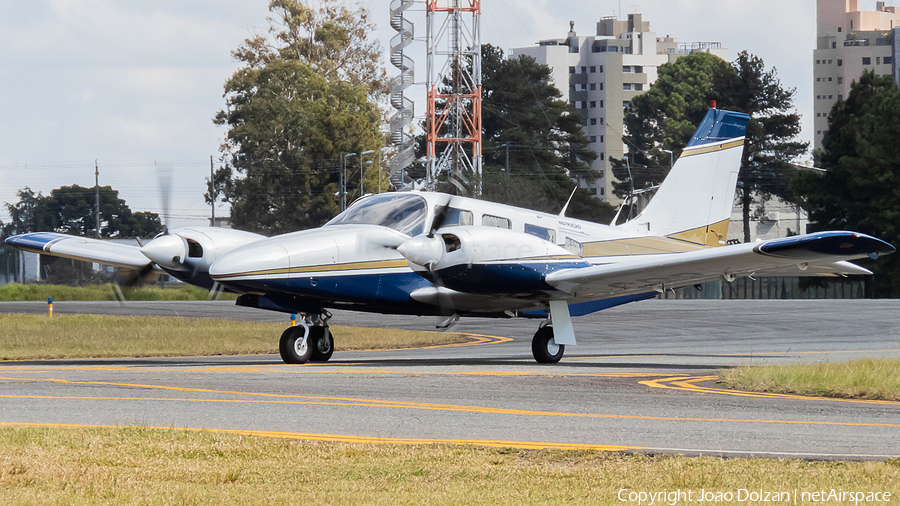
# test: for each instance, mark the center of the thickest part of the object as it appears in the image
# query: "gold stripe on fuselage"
(352, 266)
(680, 242)
(638, 246)
(710, 235)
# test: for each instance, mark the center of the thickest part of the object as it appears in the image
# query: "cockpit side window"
(403, 213)
(456, 217)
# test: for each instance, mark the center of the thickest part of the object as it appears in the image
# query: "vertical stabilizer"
(694, 202)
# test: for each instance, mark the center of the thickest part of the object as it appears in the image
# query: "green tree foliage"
(302, 99)
(70, 210)
(667, 115)
(861, 189)
(523, 115)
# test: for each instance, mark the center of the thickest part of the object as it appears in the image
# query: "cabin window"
(544, 233)
(456, 217)
(194, 249)
(495, 221)
(574, 246)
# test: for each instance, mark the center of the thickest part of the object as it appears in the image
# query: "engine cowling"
(486, 260)
(187, 253)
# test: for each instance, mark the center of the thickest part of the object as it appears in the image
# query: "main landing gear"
(544, 347)
(309, 341)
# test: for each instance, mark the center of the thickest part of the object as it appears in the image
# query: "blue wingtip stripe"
(35, 241)
(839, 243)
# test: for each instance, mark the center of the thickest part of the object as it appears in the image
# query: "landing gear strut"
(544, 347)
(309, 341)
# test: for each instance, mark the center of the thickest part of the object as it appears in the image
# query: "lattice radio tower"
(453, 119)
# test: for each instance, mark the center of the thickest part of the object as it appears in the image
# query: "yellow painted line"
(475, 340)
(687, 383)
(335, 438)
(285, 399)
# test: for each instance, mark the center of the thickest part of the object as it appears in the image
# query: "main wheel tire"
(544, 348)
(322, 343)
(293, 349)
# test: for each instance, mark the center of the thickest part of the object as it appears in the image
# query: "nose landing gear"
(544, 347)
(309, 341)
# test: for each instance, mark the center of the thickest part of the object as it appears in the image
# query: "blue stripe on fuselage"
(362, 288)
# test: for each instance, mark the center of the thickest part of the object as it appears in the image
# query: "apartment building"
(600, 74)
(850, 41)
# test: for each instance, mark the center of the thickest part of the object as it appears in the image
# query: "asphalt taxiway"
(641, 379)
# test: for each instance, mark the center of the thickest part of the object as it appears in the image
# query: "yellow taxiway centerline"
(335, 438)
(374, 403)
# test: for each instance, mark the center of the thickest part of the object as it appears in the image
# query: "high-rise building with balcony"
(600, 74)
(850, 41)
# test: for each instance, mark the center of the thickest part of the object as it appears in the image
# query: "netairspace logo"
(673, 497)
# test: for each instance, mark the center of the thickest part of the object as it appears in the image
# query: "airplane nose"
(422, 250)
(166, 251)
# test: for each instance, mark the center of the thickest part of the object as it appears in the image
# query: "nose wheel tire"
(294, 349)
(317, 347)
(544, 347)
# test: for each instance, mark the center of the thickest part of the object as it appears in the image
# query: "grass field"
(94, 336)
(14, 292)
(876, 379)
(157, 466)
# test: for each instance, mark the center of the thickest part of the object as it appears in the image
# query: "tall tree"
(665, 117)
(766, 169)
(304, 97)
(859, 190)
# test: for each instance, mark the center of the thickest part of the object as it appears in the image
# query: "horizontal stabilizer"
(821, 253)
(80, 248)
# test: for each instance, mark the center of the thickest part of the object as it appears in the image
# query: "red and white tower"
(453, 120)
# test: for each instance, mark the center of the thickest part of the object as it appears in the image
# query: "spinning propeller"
(426, 251)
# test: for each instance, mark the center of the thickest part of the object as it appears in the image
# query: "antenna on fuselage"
(562, 214)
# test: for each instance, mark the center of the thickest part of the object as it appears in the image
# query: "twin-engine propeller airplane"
(435, 254)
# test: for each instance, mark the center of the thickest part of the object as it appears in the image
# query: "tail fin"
(694, 202)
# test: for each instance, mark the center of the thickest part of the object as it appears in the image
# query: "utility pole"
(212, 192)
(361, 183)
(97, 197)
(507, 161)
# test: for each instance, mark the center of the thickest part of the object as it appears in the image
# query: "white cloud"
(161, 126)
(154, 82)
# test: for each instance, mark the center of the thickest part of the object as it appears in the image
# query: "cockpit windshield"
(402, 212)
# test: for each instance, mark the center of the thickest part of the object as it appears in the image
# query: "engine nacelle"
(486, 260)
(187, 253)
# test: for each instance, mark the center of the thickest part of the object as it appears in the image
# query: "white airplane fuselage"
(356, 265)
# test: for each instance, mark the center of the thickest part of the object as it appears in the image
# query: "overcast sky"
(135, 84)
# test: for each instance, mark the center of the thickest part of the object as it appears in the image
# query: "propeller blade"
(137, 278)
(440, 216)
(164, 175)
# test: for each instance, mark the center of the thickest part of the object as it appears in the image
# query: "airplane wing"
(81, 248)
(819, 253)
